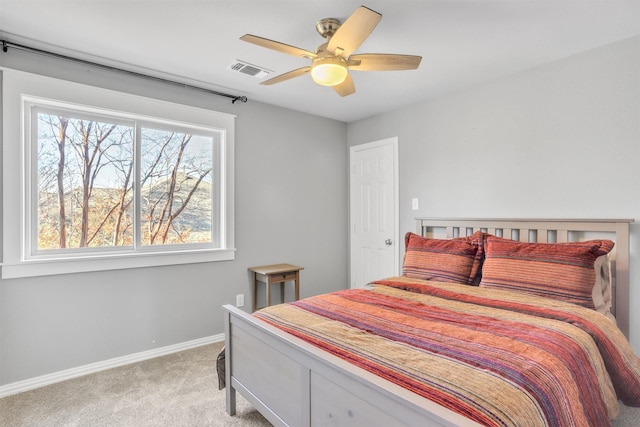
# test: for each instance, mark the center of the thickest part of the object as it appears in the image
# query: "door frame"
(393, 142)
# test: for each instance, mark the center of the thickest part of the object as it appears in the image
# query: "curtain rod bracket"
(6, 44)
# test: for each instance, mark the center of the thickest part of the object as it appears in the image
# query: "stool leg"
(268, 283)
(282, 292)
(255, 291)
(297, 285)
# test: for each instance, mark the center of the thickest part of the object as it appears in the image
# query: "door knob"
(388, 242)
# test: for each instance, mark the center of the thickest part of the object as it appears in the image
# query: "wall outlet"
(415, 204)
(240, 300)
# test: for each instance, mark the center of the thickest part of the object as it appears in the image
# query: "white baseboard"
(67, 374)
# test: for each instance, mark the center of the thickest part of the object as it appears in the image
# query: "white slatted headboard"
(550, 230)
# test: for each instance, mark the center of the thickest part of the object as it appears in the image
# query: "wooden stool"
(276, 273)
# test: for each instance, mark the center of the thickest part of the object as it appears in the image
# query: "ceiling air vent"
(249, 69)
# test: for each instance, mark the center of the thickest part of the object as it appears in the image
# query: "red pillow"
(564, 271)
(447, 260)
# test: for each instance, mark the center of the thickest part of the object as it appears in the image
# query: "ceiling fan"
(332, 59)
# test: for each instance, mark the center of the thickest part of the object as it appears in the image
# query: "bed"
(466, 336)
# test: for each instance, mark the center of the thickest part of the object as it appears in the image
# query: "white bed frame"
(293, 383)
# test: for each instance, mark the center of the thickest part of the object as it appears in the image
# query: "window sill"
(34, 268)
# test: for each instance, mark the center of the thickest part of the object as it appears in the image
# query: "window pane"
(84, 182)
(176, 187)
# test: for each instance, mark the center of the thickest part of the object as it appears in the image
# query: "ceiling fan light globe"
(328, 72)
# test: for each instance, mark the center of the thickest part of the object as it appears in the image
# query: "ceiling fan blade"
(346, 87)
(280, 47)
(350, 35)
(286, 76)
(383, 62)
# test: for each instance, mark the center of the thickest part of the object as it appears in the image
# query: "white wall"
(558, 141)
(291, 206)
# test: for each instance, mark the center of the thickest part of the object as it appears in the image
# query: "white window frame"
(22, 90)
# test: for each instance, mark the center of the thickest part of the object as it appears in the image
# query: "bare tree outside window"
(86, 184)
(176, 187)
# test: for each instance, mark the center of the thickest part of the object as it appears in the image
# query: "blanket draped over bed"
(497, 357)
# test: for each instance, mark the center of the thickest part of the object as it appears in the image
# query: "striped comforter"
(497, 357)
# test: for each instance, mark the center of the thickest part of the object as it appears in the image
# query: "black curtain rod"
(7, 44)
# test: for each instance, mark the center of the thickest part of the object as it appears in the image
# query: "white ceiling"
(462, 42)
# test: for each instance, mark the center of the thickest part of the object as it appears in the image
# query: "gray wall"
(558, 141)
(290, 206)
(561, 140)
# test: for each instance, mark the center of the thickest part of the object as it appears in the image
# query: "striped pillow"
(448, 260)
(564, 271)
(603, 287)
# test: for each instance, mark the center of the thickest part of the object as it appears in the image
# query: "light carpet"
(179, 389)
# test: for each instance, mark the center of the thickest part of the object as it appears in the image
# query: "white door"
(374, 211)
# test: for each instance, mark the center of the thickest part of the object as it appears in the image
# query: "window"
(113, 188)
(90, 190)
